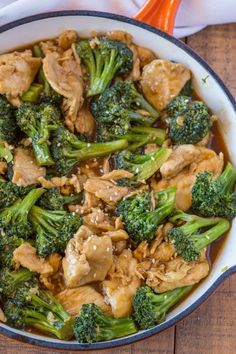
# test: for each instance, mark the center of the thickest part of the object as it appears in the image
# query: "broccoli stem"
(228, 179)
(140, 136)
(154, 162)
(52, 305)
(156, 134)
(27, 203)
(203, 240)
(72, 198)
(165, 301)
(103, 76)
(37, 51)
(136, 117)
(33, 93)
(114, 328)
(97, 150)
(165, 200)
(193, 222)
(42, 153)
(41, 322)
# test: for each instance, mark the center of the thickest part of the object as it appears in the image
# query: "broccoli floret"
(68, 150)
(215, 197)
(7, 247)
(189, 121)
(10, 192)
(189, 239)
(140, 220)
(37, 122)
(104, 61)
(54, 228)
(37, 308)
(53, 200)
(11, 280)
(93, 326)
(117, 107)
(150, 309)
(8, 128)
(14, 219)
(143, 166)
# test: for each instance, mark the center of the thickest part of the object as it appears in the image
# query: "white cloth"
(193, 15)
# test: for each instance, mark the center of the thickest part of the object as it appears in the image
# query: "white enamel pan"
(209, 87)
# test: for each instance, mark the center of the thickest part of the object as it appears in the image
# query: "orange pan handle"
(159, 13)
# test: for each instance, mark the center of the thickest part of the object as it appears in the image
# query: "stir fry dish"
(112, 187)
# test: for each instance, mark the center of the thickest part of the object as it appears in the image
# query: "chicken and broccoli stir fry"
(110, 192)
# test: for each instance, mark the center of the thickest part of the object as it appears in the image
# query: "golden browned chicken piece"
(158, 249)
(60, 44)
(26, 256)
(181, 156)
(116, 174)
(17, 72)
(145, 55)
(122, 284)
(87, 260)
(25, 169)
(2, 316)
(207, 160)
(63, 73)
(177, 273)
(66, 39)
(85, 122)
(105, 190)
(73, 299)
(163, 80)
(99, 221)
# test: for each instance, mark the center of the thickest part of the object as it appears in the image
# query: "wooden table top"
(211, 328)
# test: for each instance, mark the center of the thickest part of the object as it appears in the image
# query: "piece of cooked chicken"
(26, 256)
(122, 284)
(158, 249)
(17, 72)
(177, 273)
(87, 260)
(64, 74)
(145, 55)
(25, 169)
(109, 192)
(181, 156)
(73, 299)
(163, 80)
(99, 221)
(85, 122)
(207, 160)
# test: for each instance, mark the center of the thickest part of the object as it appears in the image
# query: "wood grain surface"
(211, 328)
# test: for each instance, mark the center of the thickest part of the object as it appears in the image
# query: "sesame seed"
(108, 249)
(94, 275)
(94, 247)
